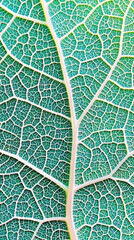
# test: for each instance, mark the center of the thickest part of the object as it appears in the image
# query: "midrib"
(70, 189)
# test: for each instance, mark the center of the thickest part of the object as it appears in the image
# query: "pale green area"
(30, 8)
(33, 86)
(97, 41)
(39, 137)
(52, 230)
(40, 193)
(18, 228)
(32, 43)
(107, 209)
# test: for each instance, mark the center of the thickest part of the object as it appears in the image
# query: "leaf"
(66, 120)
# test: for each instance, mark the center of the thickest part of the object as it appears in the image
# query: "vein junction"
(66, 119)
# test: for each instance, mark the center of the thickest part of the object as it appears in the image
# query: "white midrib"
(75, 124)
(70, 190)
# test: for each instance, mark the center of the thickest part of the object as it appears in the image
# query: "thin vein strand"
(85, 184)
(110, 73)
(41, 172)
(22, 16)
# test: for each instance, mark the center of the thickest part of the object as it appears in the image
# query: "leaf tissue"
(66, 120)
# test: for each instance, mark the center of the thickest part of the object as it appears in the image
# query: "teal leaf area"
(66, 120)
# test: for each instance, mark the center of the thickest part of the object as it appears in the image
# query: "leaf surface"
(66, 120)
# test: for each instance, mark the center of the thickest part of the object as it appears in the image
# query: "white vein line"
(105, 177)
(124, 128)
(40, 208)
(26, 65)
(121, 87)
(125, 207)
(35, 169)
(131, 31)
(77, 25)
(35, 105)
(125, 140)
(36, 231)
(99, 131)
(47, 220)
(121, 162)
(70, 192)
(7, 26)
(115, 105)
(125, 56)
(132, 175)
(16, 203)
(41, 221)
(22, 16)
(132, 75)
(111, 71)
(35, 220)
(122, 180)
(22, 128)
(49, 2)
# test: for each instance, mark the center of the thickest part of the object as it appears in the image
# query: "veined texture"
(66, 120)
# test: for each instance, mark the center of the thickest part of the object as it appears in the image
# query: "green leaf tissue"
(66, 120)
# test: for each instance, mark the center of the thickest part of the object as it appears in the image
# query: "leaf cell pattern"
(67, 120)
